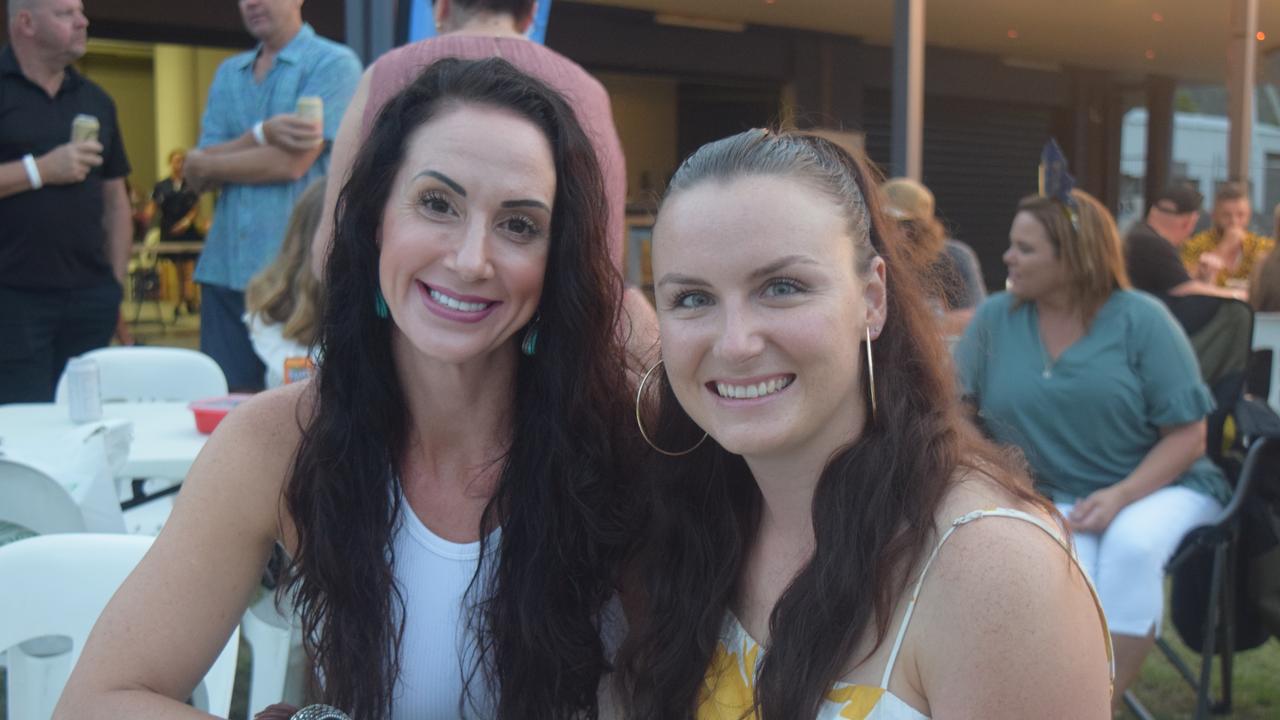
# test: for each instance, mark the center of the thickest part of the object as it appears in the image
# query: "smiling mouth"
(735, 391)
(457, 304)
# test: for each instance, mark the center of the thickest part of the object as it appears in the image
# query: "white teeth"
(451, 303)
(744, 392)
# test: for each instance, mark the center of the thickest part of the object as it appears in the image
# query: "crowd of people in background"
(475, 516)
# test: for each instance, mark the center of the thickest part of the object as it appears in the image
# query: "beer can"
(311, 107)
(83, 128)
(84, 390)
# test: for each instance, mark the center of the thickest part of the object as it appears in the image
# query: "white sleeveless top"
(437, 649)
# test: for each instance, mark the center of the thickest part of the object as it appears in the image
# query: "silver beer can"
(84, 390)
(84, 127)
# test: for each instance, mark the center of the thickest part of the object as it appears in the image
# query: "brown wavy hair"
(286, 292)
(1090, 249)
(875, 504)
(536, 602)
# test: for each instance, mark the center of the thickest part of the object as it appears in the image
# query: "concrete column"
(357, 34)
(178, 102)
(907, 133)
(382, 25)
(1160, 91)
(370, 28)
(1242, 57)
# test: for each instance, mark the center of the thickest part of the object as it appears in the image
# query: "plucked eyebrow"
(678, 279)
(782, 264)
(526, 204)
(453, 184)
(765, 271)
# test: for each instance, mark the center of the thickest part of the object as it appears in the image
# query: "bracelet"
(33, 172)
(258, 135)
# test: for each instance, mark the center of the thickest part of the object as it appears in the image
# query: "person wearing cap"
(66, 226)
(1226, 253)
(1151, 246)
(263, 154)
(948, 268)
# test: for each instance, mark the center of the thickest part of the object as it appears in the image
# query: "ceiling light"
(1261, 36)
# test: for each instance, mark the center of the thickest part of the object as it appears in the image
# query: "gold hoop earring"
(639, 424)
(871, 375)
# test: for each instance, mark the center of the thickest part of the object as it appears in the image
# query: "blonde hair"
(1090, 247)
(286, 292)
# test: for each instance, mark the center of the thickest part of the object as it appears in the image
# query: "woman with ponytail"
(830, 537)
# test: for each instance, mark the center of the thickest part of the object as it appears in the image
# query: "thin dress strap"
(964, 520)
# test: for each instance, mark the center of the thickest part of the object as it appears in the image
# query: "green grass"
(1255, 676)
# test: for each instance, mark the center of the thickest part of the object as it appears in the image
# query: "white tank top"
(433, 574)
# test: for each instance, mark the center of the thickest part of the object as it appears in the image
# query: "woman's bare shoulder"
(247, 460)
(1006, 618)
(269, 424)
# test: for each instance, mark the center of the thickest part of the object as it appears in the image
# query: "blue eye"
(691, 300)
(782, 287)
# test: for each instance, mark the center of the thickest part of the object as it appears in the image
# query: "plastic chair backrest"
(1266, 335)
(153, 374)
(31, 498)
(147, 256)
(59, 584)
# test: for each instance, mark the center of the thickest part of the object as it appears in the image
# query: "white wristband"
(258, 135)
(33, 172)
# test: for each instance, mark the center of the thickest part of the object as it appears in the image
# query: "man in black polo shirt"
(1151, 247)
(65, 228)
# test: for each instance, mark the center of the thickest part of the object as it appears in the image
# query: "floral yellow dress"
(730, 680)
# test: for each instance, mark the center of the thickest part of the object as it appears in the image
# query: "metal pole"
(382, 23)
(357, 35)
(1242, 58)
(1160, 93)
(907, 134)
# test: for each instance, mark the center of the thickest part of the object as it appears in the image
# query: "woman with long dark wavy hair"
(448, 487)
(830, 537)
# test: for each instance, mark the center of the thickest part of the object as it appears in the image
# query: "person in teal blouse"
(1098, 385)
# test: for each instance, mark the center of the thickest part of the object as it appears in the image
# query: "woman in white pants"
(1099, 387)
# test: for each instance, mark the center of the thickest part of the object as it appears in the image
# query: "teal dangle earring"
(380, 305)
(529, 345)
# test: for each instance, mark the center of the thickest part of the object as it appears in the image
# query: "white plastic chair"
(153, 374)
(31, 498)
(58, 585)
(271, 637)
(1266, 335)
(144, 279)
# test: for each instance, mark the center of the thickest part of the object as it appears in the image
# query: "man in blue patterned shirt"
(262, 155)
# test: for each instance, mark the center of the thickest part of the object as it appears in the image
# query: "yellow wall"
(160, 92)
(177, 108)
(126, 76)
(644, 111)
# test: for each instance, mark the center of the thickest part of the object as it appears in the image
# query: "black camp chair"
(1209, 613)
